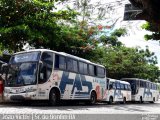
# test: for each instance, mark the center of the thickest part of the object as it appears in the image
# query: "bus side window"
(95, 70)
(129, 87)
(125, 87)
(152, 86)
(118, 87)
(122, 86)
(138, 83)
(72, 65)
(45, 66)
(100, 72)
(60, 62)
(75, 66)
(83, 68)
(110, 86)
(114, 85)
(91, 70)
(142, 84)
(69, 64)
(107, 84)
(147, 85)
(156, 87)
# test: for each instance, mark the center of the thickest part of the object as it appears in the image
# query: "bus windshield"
(21, 74)
(22, 69)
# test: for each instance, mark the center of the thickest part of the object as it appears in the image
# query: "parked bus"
(117, 91)
(42, 74)
(143, 90)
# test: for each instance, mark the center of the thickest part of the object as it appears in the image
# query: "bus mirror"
(41, 70)
(5, 68)
(40, 64)
(42, 73)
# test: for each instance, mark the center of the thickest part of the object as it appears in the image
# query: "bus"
(117, 91)
(43, 74)
(143, 90)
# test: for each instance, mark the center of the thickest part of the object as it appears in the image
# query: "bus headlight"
(7, 90)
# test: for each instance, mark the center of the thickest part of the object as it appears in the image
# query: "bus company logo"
(78, 83)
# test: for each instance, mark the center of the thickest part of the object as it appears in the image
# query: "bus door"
(127, 88)
(134, 86)
(45, 71)
(147, 95)
(118, 93)
(111, 89)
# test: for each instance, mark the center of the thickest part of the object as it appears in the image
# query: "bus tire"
(54, 97)
(153, 100)
(140, 100)
(110, 100)
(93, 98)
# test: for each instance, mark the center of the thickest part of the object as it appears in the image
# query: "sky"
(137, 39)
(135, 34)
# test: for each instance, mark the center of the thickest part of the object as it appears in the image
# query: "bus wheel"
(124, 100)
(93, 98)
(110, 100)
(54, 98)
(153, 100)
(140, 100)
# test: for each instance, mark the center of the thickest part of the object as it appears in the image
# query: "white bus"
(143, 90)
(117, 91)
(42, 74)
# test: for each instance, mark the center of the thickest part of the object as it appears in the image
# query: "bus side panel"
(72, 86)
(155, 94)
(126, 94)
(145, 93)
(76, 86)
(117, 95)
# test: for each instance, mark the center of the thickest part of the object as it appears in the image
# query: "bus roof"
(135, 79)
(114, 80)
(60, 53)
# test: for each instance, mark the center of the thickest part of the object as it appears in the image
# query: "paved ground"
(101, 108)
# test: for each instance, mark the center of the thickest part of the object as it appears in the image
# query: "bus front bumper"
(20, 97)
